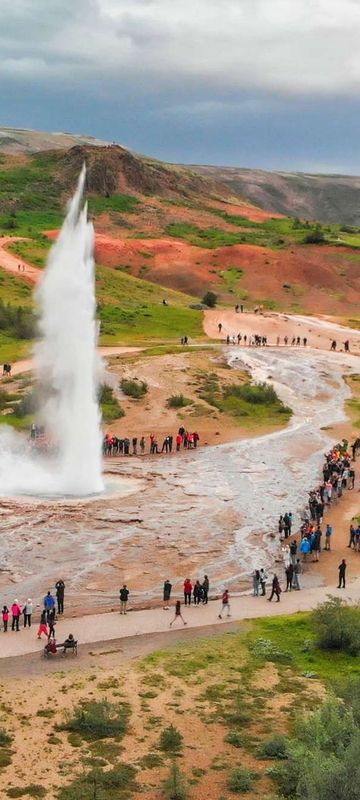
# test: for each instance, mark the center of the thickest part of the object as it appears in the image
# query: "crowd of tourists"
(258, 340)
(52, 606)
(118, 446)
(338, 476)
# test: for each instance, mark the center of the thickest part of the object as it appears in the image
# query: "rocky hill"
(172, 226)
(327, 198)
(25, 140)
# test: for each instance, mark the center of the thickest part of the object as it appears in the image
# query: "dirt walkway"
(318, 331)
(12, 262)
(27, 364)
(107, 627)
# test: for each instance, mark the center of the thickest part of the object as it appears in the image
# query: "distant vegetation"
(178, 401)
(110, 406)
(273, 233)
(257, 401)
(135, 389)
(337, 626)
(94, 720)
(210, 299)
(16, 321)
(116, 202)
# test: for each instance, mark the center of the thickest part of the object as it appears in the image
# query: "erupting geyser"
(67, 369)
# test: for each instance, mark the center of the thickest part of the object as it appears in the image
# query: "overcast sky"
(262, 83)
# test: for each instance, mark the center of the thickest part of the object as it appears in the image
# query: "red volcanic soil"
(310, 278)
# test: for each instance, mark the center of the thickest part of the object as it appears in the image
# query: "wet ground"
(211, 511)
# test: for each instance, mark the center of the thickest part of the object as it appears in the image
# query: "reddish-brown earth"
(305, 279)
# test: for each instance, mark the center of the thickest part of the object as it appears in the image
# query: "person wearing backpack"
(124, 595)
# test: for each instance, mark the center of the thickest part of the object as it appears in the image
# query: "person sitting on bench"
(51, 647)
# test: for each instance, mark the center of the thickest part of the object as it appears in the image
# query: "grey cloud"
(292, 47)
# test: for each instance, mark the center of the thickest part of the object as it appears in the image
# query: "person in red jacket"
(15, 611)
(178, 442)
(187, 591)
(225, 604)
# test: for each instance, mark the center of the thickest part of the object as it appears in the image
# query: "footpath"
(106, 627)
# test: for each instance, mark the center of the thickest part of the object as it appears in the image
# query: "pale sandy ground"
(27, 364)
(318, 331)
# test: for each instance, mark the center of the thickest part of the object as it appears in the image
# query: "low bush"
(100, 719)
(178, 401)
(114, 784)
(5, 751)
(241, 780)
(170, 740)
(175, 784)
(32, 790)
(258, 393)
(349, 691)
(337, 626)
(315, 236)
(16, 321)
(235, 738)
(268, 651)
(275, 747)
(151, 761)
(135, 389)
(110, 406)
(323, 761)
(209, 299)
(5, 738)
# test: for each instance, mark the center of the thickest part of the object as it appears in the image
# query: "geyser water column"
(67, 364)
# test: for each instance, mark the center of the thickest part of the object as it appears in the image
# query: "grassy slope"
(131, 310)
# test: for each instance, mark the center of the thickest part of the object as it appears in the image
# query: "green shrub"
(241, 780)
(349, 691)
(100, 719)
(210, 299)
(315, 236)
(115, 784)
(150, 761)
(268, 651)
(235, 738)
(258, 393)
(135, 389)
(170, 740)
(337, 626)
(16, 321)
(5, 739)
(323, 761)
(275, 747)
(178, 401)
(32, 790)
(110, 406)
(175, 785)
